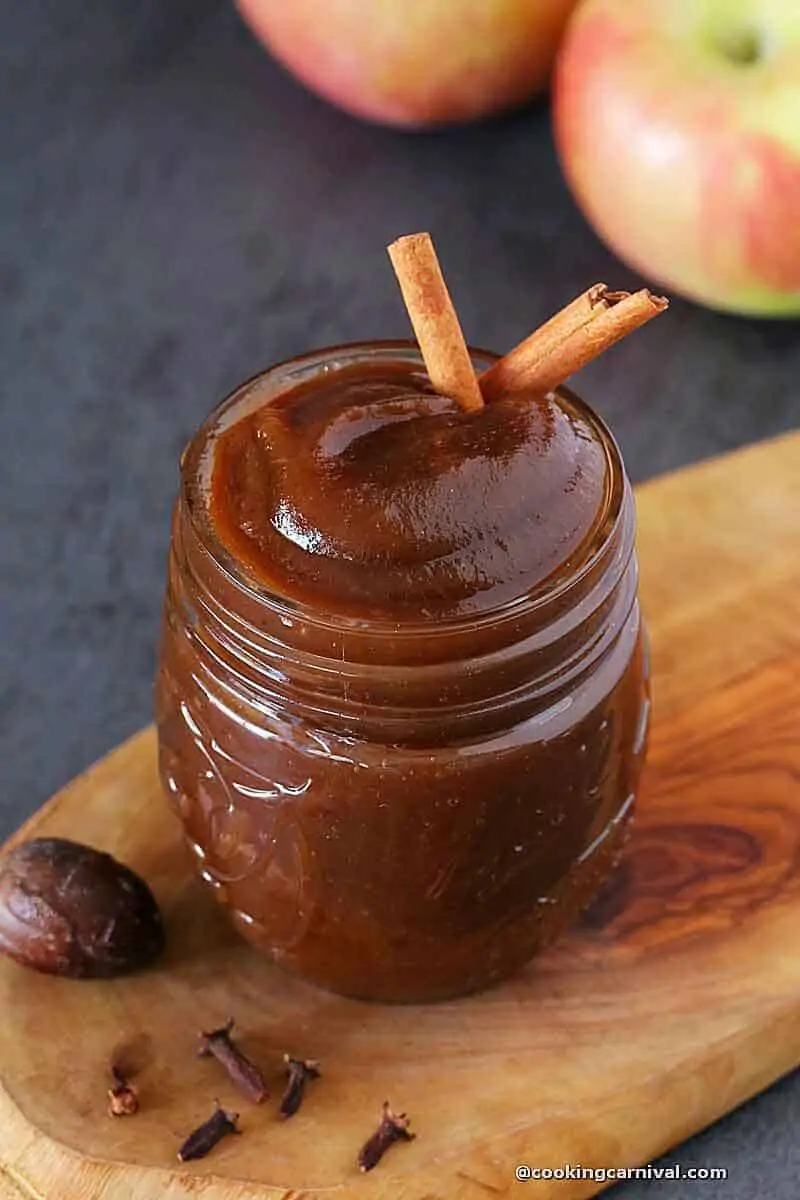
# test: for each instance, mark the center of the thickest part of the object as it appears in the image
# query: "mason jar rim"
(286, 373)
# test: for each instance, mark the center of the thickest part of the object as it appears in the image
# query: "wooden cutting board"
(676, 998)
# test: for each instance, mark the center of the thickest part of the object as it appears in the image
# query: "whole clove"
(393, 1128)
(299, 1071)
(245, 1074)
(205, 1137)
(123, 1098)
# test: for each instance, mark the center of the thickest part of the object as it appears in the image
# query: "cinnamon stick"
(586, 328)
(507, 375)
(434, 320)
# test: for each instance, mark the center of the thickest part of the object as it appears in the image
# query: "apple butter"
(402, 698)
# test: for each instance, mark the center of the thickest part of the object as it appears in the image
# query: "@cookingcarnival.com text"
(613, 1174)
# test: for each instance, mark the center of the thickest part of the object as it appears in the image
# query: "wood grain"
(676, 998)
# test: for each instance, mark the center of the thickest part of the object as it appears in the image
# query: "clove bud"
(245, 1074)
(393, 1128)
(299, 1072)
(123, 1098)
(205, 1137)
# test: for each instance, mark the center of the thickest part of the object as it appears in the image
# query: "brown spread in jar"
(402, 698)
(363, 493)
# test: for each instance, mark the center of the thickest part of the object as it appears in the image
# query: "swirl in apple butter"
(363, 493)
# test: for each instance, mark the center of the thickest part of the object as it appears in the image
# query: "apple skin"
(414, 63)
(686, 161)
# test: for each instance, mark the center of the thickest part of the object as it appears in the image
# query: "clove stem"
(203, 1139)
(393, 1128)
(245, 1074)
(299, 1072)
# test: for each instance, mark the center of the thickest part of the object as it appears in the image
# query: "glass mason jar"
(401, 812)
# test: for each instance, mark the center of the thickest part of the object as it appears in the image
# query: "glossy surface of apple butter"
(365, 494)
(402, 696)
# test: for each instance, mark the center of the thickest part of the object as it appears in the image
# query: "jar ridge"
(509, 684)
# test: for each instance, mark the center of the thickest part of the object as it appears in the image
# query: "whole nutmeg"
(68, 909)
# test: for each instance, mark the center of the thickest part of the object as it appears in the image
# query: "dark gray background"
(176, 213)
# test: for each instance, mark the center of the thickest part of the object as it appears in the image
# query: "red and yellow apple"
(414, 63)
(678, 128)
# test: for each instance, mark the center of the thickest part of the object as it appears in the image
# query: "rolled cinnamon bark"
(433, 317)
(587, 327)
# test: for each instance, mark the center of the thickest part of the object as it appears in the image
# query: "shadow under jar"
(401, 809)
